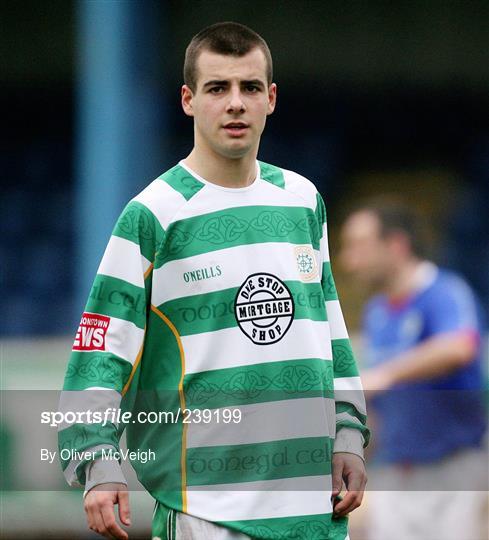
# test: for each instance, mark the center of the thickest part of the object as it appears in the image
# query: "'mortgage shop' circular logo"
(264, 308)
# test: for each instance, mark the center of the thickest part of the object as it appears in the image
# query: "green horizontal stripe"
(117, 298)
(343, 407)
(259, 383)
(96, 368)
(310, 527)
(80, 437)
(182, 181)
(343, 359)
(215, 311)
(272, 174)
(328, 284)
(138, 224)
(236, 464)
(320, 211)
(236, 227)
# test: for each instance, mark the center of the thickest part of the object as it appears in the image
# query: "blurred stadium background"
(374, 97)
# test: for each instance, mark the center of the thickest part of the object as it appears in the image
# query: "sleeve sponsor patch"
(91, 333)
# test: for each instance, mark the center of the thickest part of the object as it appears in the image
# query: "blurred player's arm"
(352, 433)
(451, 320)
(435, 357)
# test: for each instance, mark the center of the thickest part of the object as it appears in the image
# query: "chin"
(235, 153)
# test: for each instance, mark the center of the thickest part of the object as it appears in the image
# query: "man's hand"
(99, 507)
(351, 469)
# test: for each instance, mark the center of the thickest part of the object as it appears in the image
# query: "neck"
(223, 171)
(403, 281)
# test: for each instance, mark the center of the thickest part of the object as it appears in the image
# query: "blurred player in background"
(424, 374)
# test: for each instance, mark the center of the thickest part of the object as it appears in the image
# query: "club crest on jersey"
(91, 333)
(264, 308)
(306, 262)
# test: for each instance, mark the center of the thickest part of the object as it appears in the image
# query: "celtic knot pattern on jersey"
(248, 384)
(222, 229)
(335, 529)
(227, 228)
(200, 391)
(343, 358)
(177, 239)
(295, 379)
(310, 225)
(273, 223)
(330, 286)
(136, 223)
(99, 369)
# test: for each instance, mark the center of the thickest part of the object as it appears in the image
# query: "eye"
(252, 88)
(216, 89)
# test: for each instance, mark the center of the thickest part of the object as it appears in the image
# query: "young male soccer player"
(215, 297)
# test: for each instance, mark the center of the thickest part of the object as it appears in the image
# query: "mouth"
(236, 129)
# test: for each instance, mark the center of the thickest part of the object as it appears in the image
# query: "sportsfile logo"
(91, 332)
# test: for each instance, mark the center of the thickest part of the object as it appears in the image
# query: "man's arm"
(437, 356)
(352, 433)
(103, 367)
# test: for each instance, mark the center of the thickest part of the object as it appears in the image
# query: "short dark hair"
(228, 38)
(395, 215)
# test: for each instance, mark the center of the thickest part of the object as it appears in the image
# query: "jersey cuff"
(102, 472)
(349, 440)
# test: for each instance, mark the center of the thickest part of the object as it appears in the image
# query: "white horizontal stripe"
(93, 399)
(231, 348)
(323, 244)
(124, 339)
(270, 421)
(123, 260)
(336, 320)
(350, 390)
(209, 199)
(277, 258)
(300, 185)
(303, 496)
(348, 383)
(163, 201)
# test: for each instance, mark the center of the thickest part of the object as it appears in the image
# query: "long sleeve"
(108, 345)
(352, 434)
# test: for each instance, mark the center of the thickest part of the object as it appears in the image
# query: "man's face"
(230, 103)
(365, 254)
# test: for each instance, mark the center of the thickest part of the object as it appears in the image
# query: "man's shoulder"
(291, 181)
(449, 282)
(167, 193)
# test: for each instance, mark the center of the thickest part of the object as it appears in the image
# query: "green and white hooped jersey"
(218, 305)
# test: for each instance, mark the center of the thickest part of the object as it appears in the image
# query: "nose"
(236, 103)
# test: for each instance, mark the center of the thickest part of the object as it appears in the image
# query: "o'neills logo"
(91, 332)
(264, 308)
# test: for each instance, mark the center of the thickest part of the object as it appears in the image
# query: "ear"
(272, 98)
(400, 244)
(187, 97)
